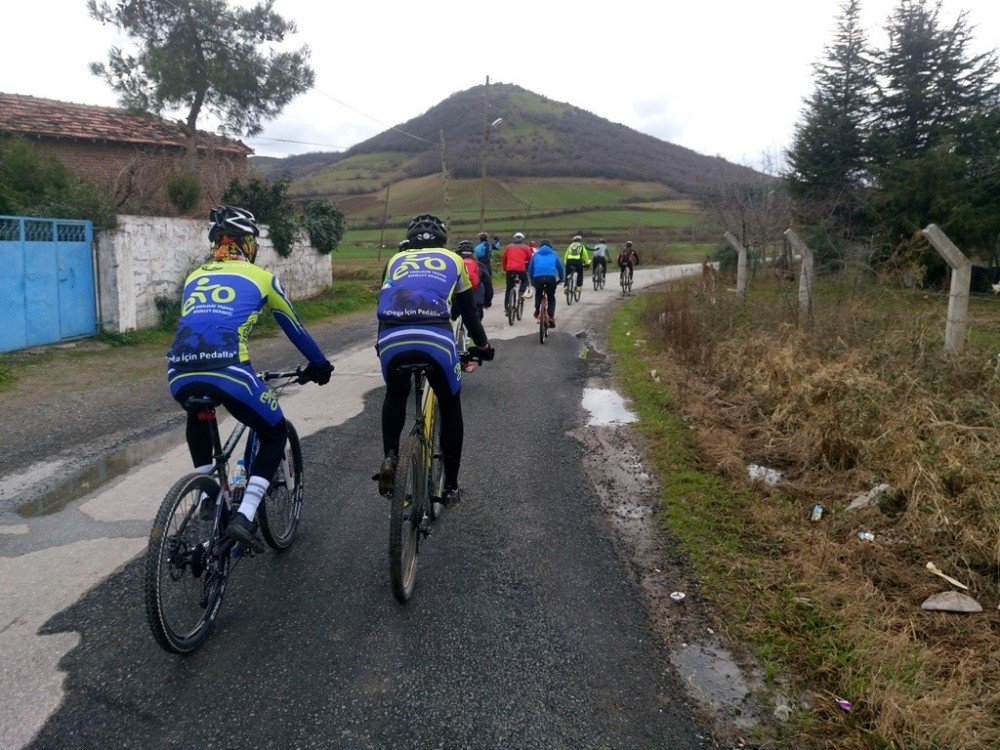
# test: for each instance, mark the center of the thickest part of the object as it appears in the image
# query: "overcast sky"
(723, 77)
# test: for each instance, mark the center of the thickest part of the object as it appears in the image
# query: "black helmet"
(427, 230)
(404, 245)
(464, 247)
(545, 242)
(237, 224)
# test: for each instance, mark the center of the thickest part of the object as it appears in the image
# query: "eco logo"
(205, 289)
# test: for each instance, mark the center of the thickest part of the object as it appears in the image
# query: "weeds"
(865, 397)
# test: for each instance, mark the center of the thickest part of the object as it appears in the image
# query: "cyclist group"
(425, 286)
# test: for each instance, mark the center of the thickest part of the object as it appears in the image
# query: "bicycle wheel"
(577, 291)
(595, 278)
(520, 306)
(404, 520)
(511, 305)
(568, 288)
(183, 583)
(282, 506)
(461, 338)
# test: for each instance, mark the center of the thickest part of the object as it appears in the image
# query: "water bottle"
(238, 484)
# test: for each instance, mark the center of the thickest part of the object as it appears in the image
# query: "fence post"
(741, 265)
(806, 277)
(961, 279)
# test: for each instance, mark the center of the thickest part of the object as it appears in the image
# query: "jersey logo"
(203, 290)
(428, 263)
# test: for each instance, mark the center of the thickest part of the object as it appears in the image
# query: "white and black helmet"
(427, 230)
(518, 237)
(231, 221)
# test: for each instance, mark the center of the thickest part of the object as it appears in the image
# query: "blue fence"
(47, 287)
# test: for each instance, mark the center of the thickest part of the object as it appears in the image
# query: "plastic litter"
(866, 536)
(769, 476)
(844, 705)
(677, 596)
(817, 512)
(870, 497)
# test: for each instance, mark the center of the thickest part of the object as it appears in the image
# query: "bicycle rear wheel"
(577, 291)
(405, 516)
(282, 506)
(183, 583)
(568, 288)
(520, 306)
(511, 305)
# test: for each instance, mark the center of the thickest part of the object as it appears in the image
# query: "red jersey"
(472, 266)
(515, 258)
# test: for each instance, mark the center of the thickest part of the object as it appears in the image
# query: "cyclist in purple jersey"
(419, 286)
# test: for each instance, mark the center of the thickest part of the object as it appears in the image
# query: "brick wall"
(148, 257)
(134, 177)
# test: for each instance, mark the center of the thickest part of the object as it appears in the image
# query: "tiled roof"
(54, 119)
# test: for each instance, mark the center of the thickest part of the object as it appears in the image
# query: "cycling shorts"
(237, 387)
(433, 342)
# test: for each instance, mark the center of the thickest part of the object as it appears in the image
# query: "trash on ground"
(844, 705)
(677, 596)
(951, 601)
(783, 712)
(817, 512)
(869, 498)
(940, 573)
(770, 476)
(866, 536)
(652, 373)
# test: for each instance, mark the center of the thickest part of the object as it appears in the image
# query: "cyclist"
(484, 250)
(576, 258)
(222, 301)
(414, 327)
(515, 263)
(481, 278)
(545, 271)
(628, 257)
(600, 257)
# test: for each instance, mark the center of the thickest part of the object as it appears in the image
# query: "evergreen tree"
(827, 159)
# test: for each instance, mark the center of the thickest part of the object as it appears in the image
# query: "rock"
(951, 601)
(869, 498)
(783, 712)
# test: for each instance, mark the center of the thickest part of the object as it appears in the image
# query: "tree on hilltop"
(195, 55)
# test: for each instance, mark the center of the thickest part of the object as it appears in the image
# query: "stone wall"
(148, 257)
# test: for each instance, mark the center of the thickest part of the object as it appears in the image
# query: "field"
(862, 396)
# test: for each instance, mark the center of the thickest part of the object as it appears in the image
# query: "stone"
(951, 601)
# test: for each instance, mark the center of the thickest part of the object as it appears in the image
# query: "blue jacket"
(545, 262)
(484, 250)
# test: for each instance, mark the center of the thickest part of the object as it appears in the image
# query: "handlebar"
(298, 374)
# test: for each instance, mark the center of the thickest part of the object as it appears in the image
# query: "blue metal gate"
(47, 291)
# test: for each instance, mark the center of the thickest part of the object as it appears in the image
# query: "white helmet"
(577, 238)
(518, 237)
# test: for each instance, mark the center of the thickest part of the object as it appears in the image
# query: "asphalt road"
(525, 630)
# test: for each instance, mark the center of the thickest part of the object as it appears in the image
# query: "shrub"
(270, 203)
(325, 225)
(183, 190)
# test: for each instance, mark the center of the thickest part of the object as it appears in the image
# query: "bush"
(183, 190)
(270, 203)
(325, 225)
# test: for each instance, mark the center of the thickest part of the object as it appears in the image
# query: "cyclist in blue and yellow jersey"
(222, 301)
(576, 258)
(545, 271)
(419, 286)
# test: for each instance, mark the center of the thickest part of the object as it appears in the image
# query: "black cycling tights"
(397, 393)
(199, 436)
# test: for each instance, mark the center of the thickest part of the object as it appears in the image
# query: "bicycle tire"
(543, 321)
(520, 306)
(282, 507)
(577, 291)
(595, 278)
(404, 524)
(511, 306)
(461, 338)
(173, 631)
(568, 288)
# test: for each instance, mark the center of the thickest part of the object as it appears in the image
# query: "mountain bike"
(597, 276)
(572, 292)
(625, 279)
(415, 503)
(190, 557)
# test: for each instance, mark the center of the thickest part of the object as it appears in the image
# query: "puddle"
(606, 407)
(113, 465)
(714, 680)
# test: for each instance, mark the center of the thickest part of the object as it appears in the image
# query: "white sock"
(256, 488)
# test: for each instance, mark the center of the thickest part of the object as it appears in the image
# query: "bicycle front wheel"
(279, 513)
(405, 516)
(183, 582)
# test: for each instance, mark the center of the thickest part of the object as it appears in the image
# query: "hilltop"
(538, 138)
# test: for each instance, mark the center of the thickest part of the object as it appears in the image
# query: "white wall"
(146, 257)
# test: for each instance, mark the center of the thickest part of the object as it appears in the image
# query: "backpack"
(472, 266)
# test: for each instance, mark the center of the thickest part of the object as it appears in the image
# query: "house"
(130, 155)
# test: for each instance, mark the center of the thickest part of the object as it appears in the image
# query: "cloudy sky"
(723, 77)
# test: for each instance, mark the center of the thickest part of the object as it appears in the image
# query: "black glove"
(318, 373)
(485, 353)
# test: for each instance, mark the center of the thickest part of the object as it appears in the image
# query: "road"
(525, 631)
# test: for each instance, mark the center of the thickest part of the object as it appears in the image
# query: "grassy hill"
(552, 168)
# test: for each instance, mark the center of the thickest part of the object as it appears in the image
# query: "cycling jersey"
(577, 251)
(546, 263)
(419, 284)
(516, 257)
(628, 257)
(600, 251)
(222, 301)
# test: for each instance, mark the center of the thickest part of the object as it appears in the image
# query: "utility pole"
(385, 215)
(444, 175)
(486, 138)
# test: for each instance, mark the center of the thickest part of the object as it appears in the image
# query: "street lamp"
(482, 182)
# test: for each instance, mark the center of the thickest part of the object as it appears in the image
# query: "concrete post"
(961, 279)
(806, 277)
(741, 265)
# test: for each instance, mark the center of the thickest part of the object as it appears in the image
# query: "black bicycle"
(625, 279)
(597, 276)
(415, 503)
(190, 556)
(514, 303)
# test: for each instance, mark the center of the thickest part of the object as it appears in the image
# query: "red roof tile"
(54, 119)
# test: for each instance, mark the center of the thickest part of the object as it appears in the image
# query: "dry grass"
(864, 397)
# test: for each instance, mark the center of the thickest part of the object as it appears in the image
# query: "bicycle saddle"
(193, 403)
